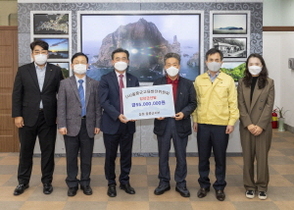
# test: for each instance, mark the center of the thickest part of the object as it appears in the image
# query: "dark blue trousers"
(212, 137)
(180, 144)
(83, 143)
(124, 140)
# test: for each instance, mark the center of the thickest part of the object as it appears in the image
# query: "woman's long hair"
(262, 81)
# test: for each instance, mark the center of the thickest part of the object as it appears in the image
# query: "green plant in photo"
(237, 72)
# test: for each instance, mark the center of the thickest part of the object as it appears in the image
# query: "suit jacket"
(259, 111)
(109, 100)
(27, 95)
(70, 109)
(185, 102)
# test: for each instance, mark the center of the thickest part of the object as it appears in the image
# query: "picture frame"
(234, 68)
(146, 59)
(231, 47)
(51, 23)
(65, 68)
(58, 47)
(230, 23)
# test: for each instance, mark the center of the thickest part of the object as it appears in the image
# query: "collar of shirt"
(39, 68)
(170, 81)
(212, 78)
(77, 81)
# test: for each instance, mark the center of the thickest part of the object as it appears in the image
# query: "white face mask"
(214, 66)
(254, 70)
(40, 59)
(80, 68)
(172, 71)
(120, 66)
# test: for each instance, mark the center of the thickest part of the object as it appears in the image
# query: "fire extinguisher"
(274, 119)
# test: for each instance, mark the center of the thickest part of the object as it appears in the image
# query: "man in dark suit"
(34, 110)
(117, 130)
(78, 115)
(178, 127)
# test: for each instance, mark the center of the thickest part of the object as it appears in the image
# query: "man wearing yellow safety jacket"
(214, 120)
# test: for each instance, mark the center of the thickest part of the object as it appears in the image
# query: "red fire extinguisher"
(274, 119)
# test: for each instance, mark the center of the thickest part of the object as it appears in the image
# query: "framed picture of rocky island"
(47, 23)
(229, 23)
(148, 37)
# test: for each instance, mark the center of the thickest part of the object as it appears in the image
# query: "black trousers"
(47, 138)
(212, 137)
(124, 140)
(83, 143)
(180, 145)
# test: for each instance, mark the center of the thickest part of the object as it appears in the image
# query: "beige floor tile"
(285, 205)
(127, 205)
(213, 205)
(97, 170)
(139, 161)
(152, 169)
(9, 160)
(283, 169)
(4, 178)
(138, 180)
(278, 180)
(234, 170)
(44, 205)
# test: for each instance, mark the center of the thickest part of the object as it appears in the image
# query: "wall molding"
(278, 28)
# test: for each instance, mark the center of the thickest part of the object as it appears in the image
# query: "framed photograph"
(147, 37)
(234, 69)
(58, 47)
(64, 68)
(46, 23)
(231, 47)
(229, 23)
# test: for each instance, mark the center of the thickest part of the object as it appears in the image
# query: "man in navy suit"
(117, 130)
(177, 128)
(78, 115)
(34, 109)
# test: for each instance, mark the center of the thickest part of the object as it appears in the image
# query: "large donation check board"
(148, 102)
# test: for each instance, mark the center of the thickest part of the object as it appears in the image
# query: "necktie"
(121, 86)
(82, 97)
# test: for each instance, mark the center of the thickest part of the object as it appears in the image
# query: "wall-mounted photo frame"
(147, 36)
(234, 69)
(64, 68)
(229, 23)
(58, 47)
(48, 23)
(231, 47)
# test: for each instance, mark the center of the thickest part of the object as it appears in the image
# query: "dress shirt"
(124, 78)
(212, 78)
(175, 84)
(41, 77)
(84, 84)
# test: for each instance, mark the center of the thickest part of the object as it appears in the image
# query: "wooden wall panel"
(8, 69)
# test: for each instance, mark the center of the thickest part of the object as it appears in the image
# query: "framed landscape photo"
(147, 37)
(49, 23)
(229, 23)
(234, 69)
(231, 47)
(58, 47)
(64, 68)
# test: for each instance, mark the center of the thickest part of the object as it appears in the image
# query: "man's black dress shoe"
(183, 191)
(87, 190)
(47, 188)
(127, 188)
(20, 189)
(202, 192)
(161, 189)
(111, 192)
(220, 195)
(72, 191)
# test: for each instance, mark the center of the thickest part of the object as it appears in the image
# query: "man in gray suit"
(78, 114)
